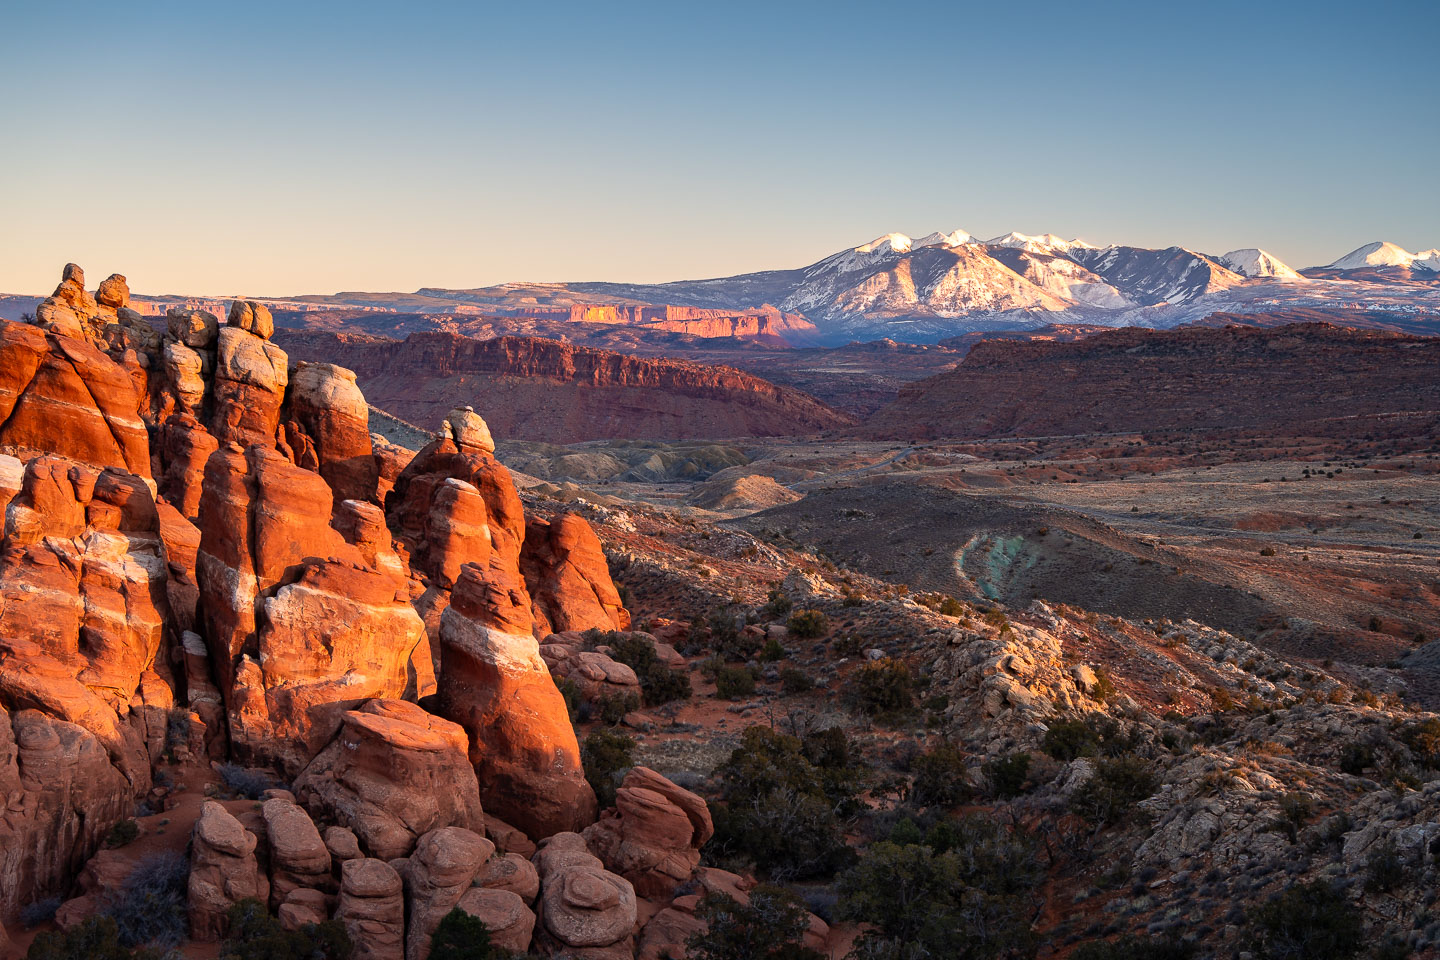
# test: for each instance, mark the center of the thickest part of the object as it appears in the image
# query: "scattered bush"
(658, 683)
(883, 687)
(38, 912)
(150, 907)
(244, 782)
(783, 801)
(940, 779)
(807, 624)
(1314, 921)
(613, 706)
(1116, 786)
(1384, 869)
(1007, 774)
(951, 607)
(1068, 739)
(1356, 758)
(1423, 739)
(463, 937)
(122, 833)
(255, 935)
(604, 754)
(795, 680)
(95, 939)
(772, 651)
(733, 682)
(777, 605)
(770, 927)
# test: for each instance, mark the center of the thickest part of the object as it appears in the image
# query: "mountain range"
(922, 290)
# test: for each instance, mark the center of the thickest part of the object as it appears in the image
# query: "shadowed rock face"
(252, 604)
(1284, 381)
(530, 388)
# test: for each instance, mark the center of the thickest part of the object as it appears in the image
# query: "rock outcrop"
(653, 835)
(510, 922)
(372, 909)
(567, 576)
(223, 871)
(394, 773)
(496, 686)
(299, 859)
(585, 910)
(437, 875)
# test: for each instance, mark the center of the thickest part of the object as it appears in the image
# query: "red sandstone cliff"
(537, 389)
(1291, 379)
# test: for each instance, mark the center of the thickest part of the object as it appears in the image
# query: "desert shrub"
(575, 704)
(612, 707)
(726, 637)
(177, 729)
(795, 680)
(967, 901)
(150, 906)
(1296, 809)
(777, 605)
(1007, 774)
(1068, 739)
(463, 937)
(1104, 686)
(807, 624)
(604, 754)
(770, 927)
(1423, 739)
(95, 939)
(39, 911)
(1355, 758)
(1116, 786)
(1384, 868)
(1135, 948)
(783, 802)
(772, 650)
(1267, 551)
(245, 782)
(255, 935)
(1312, 921)
(733, 682)
(658, 683)
(951, 607)
(122, 833)
(882, 687)
(940, 779)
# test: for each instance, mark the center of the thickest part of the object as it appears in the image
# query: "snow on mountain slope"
(1252, 262)
(1381, 253)
(1061, 277)
(1427, 260)
(1148, 277)
(1046, 243)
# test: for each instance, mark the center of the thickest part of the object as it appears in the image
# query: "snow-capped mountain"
(943, 284)
(1382, 253)
(1252, 262)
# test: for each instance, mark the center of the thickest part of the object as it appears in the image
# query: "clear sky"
(275, 148)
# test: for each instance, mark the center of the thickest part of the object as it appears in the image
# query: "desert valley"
(581, 620)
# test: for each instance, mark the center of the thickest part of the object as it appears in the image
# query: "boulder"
(510, 922)
(437, 875)
(223, 871)
(196, 329)
(594, 675)
(653, 834)
(514, 873)
(372, 909)
(394, 772)
(251, 317)
(299, 858)
(303, 907)
(342, 844)
(113, 292)
(582, 905)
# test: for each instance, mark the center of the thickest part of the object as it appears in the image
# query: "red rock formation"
(223, 871)
(535, 389)
(653, 835)
(1285, 380)
(568, 578)
(494, 684)
(372, 909)
(327, 425)
(58, 394)
(302, 623)
(394, 773)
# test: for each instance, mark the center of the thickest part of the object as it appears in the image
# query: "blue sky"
(267, 148)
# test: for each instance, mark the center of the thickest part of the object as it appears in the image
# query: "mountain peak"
(1045, 243)
(1380, 253)
(1254, 262)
